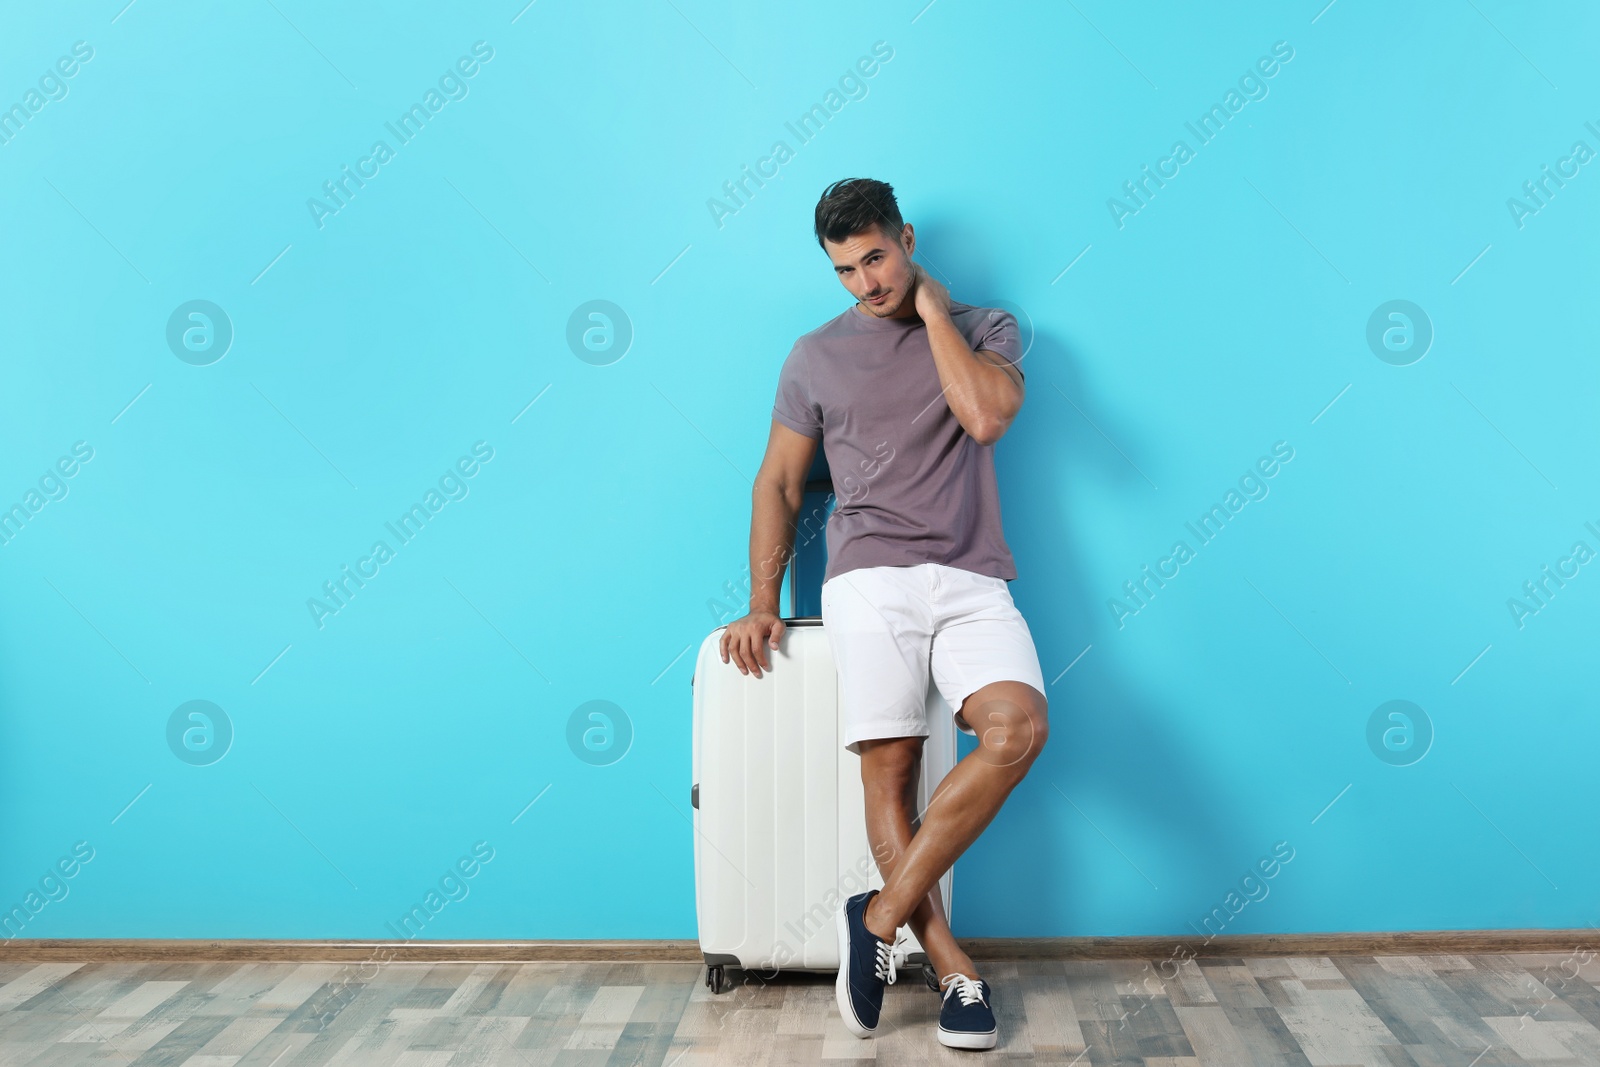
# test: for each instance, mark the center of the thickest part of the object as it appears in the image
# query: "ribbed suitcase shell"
(779, 823)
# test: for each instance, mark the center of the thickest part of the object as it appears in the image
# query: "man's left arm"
(983, 388)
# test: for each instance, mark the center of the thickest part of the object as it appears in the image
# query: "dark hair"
(855, 204)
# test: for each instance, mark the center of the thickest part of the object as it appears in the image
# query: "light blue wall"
(370, 754)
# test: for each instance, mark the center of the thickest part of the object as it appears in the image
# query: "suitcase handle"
(798, 620)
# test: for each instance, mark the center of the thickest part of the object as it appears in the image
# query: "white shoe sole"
(953, 1039)
(841, 987)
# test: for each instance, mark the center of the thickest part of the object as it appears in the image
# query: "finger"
(772, 642)
(724, 646)
(747, 656)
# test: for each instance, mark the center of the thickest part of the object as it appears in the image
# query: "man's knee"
(1012, 722)
(889, 765)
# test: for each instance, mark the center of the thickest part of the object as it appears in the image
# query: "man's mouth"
(878, 300)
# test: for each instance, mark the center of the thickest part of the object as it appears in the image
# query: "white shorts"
(888, 627)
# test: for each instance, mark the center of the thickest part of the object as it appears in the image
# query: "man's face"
(877, 270)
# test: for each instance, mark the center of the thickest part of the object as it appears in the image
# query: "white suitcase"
(780, 833)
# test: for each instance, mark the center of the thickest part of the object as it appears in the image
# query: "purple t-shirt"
(911, 485)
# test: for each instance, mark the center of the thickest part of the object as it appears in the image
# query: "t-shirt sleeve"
(999, 333)
(794, 406)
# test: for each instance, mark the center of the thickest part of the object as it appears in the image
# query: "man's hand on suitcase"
(748, 640)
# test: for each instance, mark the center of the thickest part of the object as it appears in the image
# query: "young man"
(907, 391)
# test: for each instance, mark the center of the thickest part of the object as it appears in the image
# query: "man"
(907, 391)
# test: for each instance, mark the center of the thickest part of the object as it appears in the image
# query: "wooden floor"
(1428, 1011)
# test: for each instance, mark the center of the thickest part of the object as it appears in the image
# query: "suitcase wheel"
(717, 979)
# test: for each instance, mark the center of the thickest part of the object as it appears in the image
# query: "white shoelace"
(966, 988)
(884, 967)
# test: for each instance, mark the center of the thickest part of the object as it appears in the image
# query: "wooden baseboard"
(991, 949)
(379, 951)
(1234, 946)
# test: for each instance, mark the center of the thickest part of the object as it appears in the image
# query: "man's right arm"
(774, 509)
(775, 502)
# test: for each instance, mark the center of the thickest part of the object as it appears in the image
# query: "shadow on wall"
(1110, 748)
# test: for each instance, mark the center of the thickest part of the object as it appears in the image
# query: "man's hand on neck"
(932, 299)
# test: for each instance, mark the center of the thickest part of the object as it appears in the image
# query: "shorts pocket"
(999, 585)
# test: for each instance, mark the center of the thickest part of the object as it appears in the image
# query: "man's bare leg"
(889, 773)
(1010, 719)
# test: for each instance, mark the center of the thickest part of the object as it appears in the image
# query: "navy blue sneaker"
(866, 965)
(966, 1020)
